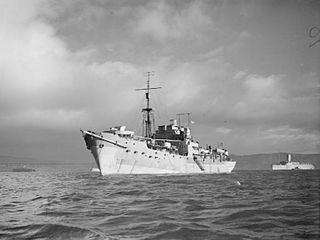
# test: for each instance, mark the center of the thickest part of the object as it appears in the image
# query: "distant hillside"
(244, 162)
(11, 159)
(27, 160)
(263, 161)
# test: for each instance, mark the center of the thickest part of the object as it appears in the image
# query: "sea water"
(74, 203)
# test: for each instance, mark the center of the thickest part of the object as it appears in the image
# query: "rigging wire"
(138, 123)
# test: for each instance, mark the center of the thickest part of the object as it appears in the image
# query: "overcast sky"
(244, 69)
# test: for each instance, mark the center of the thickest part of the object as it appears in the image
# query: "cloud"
(240, 75)
(163, 21)
(282, 135)
(42, 80)
(223, 130)
(263, 90)
(65, 64)
(32, 56)
(215, 91)
(195, 83)
(248, 107)
(53, 119)
(259, 97)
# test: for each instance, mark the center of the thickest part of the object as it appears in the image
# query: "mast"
(148, 109)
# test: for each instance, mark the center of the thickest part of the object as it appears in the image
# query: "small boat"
(290, 165)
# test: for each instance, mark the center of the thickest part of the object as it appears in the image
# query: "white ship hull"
(171, 149)
(118, 155)
(293, 166)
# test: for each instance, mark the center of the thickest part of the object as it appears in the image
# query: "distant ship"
(170, 149)
(289, 165)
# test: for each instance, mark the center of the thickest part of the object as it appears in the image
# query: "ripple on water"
(267, 205)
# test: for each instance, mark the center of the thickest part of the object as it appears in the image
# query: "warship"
(171, 149)
(290, 165)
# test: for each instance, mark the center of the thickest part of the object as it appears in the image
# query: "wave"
(267, 205)
(49, 231)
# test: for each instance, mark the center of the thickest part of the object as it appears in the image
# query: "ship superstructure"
(291, 165)
(171, 149)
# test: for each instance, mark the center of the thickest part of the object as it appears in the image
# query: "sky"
(248, 71)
